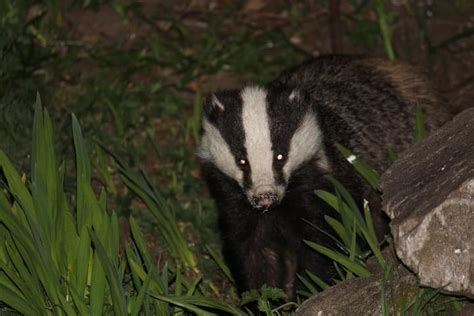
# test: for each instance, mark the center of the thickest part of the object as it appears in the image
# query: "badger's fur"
(265, 150)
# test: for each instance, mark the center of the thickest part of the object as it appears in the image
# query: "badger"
(266, 149)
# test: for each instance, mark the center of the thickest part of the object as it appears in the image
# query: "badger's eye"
(279, 157)
(242, 162)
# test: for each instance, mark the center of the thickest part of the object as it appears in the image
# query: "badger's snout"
(265, 196)
(264, 200)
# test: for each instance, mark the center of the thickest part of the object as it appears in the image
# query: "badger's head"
(259, 137)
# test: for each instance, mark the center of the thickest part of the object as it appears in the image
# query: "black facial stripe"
(229, 122)
(285, 117)
(279, 176)
(247, 178)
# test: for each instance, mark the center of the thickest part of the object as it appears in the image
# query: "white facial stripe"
(257, 135)
(214, 148)
(306, 142)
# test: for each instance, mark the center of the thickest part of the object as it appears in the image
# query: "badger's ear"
(294, 96)
(213, 106)
(298, 97)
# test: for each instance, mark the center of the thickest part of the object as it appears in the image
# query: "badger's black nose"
(264, 200)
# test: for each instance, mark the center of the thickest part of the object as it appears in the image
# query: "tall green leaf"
(113, 279)
(353, 266)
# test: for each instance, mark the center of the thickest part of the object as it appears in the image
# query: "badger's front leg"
(258, 254)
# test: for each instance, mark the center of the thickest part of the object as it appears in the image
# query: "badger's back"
(367, 104)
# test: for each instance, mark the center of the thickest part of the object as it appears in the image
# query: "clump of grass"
(264, 298)
(64, 258)
(164, 214)
(350, 226)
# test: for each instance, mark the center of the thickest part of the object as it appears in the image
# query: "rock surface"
(363, 296)
(429, 195)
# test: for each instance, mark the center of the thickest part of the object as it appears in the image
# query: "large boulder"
(429, 196)
(363, 296)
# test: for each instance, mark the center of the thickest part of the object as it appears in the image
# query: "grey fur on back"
(366, 104)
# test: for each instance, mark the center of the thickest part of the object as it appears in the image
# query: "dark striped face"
(259, 137)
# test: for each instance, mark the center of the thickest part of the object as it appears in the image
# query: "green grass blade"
(339, 229)
(15, 184)
(179, 303)
(369, 174)
(114, 238)
(317, 280)
(22, 259)
(82, 261)
(392, 156)
(220, 263)
(140, 243)
(28, 256)
(141, 295)
(371, 237)
(302, 294)
(103, 168)
(47, 272)
(4, 203)
(191, 303)
(156, 285)
(65, 305)
(44, 172)
(83, 176)
(23, 306)
(348, 199)
(334, 239)
(352, 251)
(210, 303)
(165, 278)
(353, 266)
(385, 28)
(131, 256)
(329, 198)
(178, 291)
(420, 131)
(307, 284)
(193, 287)
(112, 276)
(97, 283)
(20, 285)
(81, 307)
(347, 214)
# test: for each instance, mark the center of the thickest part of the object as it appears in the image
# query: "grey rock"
(429, 195)
(363, 296)
(353, 297)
